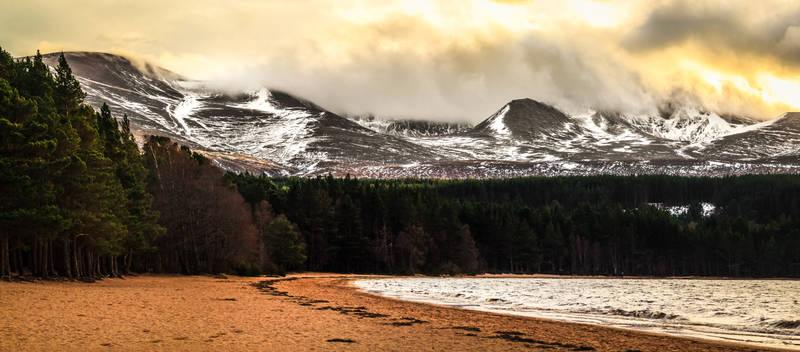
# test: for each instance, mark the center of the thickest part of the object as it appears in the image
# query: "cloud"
(406, 66)
(733, 30)
(790, 43)
(723, 54)
(447, 59)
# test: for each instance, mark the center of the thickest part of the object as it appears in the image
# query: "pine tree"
(31, 151)
(141, 226)
(284, 246)
(8, 68)
(26, 194)
(142, 221)
(67, 91)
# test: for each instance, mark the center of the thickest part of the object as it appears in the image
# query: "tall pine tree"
(67, 93)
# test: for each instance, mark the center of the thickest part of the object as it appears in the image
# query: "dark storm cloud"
(721, 28)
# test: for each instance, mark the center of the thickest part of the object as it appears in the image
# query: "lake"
(760, 312)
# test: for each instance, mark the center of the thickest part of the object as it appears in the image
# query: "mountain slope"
(265, 124)
(777, 139)
(275, 132)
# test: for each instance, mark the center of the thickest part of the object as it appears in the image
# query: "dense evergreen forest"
(609, 225)
(74, 201)
(81, 199)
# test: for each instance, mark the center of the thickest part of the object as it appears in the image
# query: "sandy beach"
(319, 312)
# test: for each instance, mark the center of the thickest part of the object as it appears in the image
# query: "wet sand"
(318, 312)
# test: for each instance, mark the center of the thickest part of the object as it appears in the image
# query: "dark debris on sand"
(342, 340)
(516, 336)
(268, 287)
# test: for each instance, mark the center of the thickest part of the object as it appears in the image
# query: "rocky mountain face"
(277, 133)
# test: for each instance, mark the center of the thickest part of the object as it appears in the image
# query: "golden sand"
(308, 312)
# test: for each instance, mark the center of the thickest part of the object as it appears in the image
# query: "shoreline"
(304, 311)
(478, 308)
(631, 277)
(642, 340)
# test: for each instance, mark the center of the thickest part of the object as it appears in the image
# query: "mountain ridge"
(524, 137)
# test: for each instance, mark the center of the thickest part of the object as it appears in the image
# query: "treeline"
(80, 200)
(592, 225)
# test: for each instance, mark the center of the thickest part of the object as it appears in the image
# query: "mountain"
(776, 140)
(411, 128)
(294, 135)
(514, 121)
(279, 134)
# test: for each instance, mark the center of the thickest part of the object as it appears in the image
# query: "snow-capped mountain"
(293, 135)
(411, 128)
(277, 133)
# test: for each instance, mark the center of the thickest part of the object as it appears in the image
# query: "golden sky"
(448, 59)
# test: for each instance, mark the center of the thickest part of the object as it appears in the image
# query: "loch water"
(759, 312)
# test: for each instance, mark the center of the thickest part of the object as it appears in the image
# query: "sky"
(456, 60)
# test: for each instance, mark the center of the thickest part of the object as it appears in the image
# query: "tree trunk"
(67, 265)
(182, 258)
(88, 269)
(53, 271)
(35, 258)
(92, 265)
(128, 261)
(18, 261)
(511, 259)
(114, 271)
(76, 258)
(86, 261)
(196, 256)
(44, 256)
(5, 262)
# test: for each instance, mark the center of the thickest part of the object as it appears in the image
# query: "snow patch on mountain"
(280, 134)
(290, 137)
(684, 124)
(760, 125)
(497, 125)
(262, 102)
(600, 128)
(409, 128)
(372, 123)
(185, 109)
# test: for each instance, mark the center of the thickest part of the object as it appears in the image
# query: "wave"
(786, 324)
(645, 313)
(713, 309)
(496, 300)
